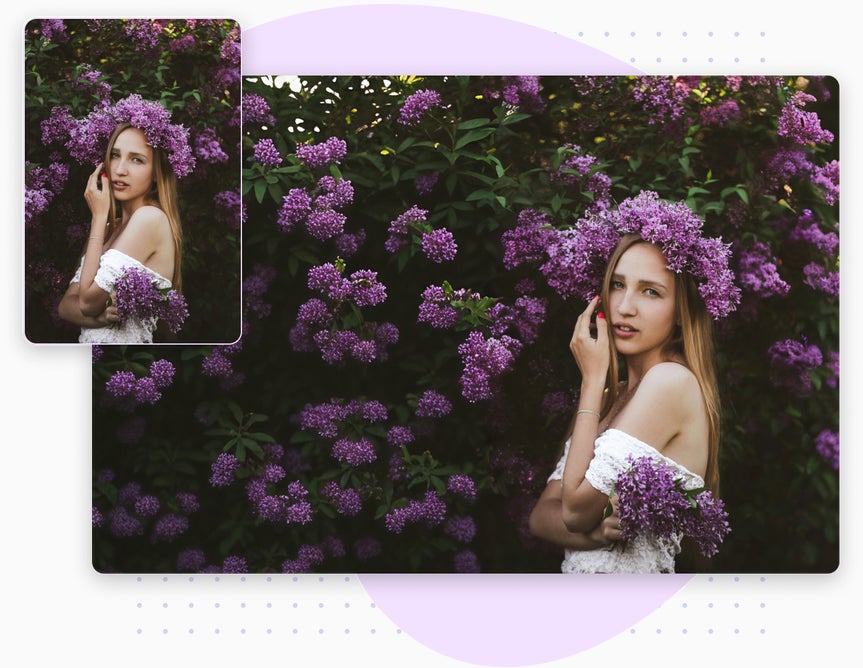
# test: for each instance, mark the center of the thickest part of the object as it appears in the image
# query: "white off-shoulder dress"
(643, 554)
(111, 267)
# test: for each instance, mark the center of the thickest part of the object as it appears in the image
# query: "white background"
(57, 610)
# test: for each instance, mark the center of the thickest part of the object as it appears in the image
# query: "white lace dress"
(641, 554)
(111, 267)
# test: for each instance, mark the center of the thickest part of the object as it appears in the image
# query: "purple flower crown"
(583, 251)
(88, 136)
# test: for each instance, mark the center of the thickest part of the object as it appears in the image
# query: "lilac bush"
(403, 382)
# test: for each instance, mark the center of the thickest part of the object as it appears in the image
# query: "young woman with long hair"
(135, 223)
(648, 383)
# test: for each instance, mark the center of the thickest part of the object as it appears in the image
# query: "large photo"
(502, 324)
(132, 181)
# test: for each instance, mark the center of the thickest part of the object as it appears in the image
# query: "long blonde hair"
(163, 194)
(692, 341)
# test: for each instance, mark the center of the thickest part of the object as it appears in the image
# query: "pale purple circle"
(485, 619)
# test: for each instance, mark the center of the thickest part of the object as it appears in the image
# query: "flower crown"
(89, 136)
(584, 250)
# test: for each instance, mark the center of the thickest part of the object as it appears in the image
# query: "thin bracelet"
(97, 238)
(587, 410)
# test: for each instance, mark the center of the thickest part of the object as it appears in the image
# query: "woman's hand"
(98, 196)
(591, 354)
(108, 317)
(609, 528)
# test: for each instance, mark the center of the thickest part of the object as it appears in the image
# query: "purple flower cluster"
(484, 360)
(791, 362)
(819, 278)
(431, 512)
(400, 228)
(522, 92)
(255, 286)
(89, 80)
(256, 110)
(137, 296)
(460, 527)
(266, 154)
(292, 507)
(462, 485)
(436, 308)
(53, 30)
(400, 435)
(578, 256)
(224, 469)
(663, 98)
(346, 501)
(318, 210)
(651, 501)
(208, 147)
(758, 273)
(355, 453)
(318, 155)
(218, 364)
(528, 241)
(525, 316)
(144, 33)
(466, 561)
(808, 230)
(579, 170)
(720, 115)
(417, 105)
(129, 390)
(425, 183)
(802, 127)
(170, 526)
(433, 404)
(439, 245)
(827, 445)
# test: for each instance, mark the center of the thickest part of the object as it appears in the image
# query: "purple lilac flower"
(333, 193)
(146, 392)
(832, 363)
(235, 564)
(98, 518)
(146, 506)
(720, 115)
(256, 489)
(143, 32)
(523, 92)
(216, 365)
(173, 310)
(758, 272)
(462, 485)
(325, 224)
(311, 554)
(556, 402)
(367, 548)
(663, 98)
(123, 525)
(182, 43)
(433, 404)
(121, 384)
(333, 546)
(255, 286)
(256, 110)
(466, 562)
(483, 361)
(188, 502)
(162, 372)
(36, 203)
(400, 228)
(818, 278)
(579, 171)
(791, 362)
(801, 127)
(431, 512)
(417, 105)
(374, 411)
(826, 178)
(785, 164)
(129, 493)
(208, 147)
(526, 316)
(347, 244)
(266, 153)
(807, 230)
(295, 566)
(651, 501)
(347, 501)
(827, 445)
(191, 561)
(425, 183)
(223, 469)
(528, 241)
(273, 473)
(436, 309)
(299, 512)
(354, 453)
(296, 207)
(400, 435)
(230, 208)
(439, 245)
(53, 30)
(460, 527)
(317, 155)
(170, 527)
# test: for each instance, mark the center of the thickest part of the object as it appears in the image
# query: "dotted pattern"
(257, 606)
(733, 51)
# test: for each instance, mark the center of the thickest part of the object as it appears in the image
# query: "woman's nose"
(626, 305)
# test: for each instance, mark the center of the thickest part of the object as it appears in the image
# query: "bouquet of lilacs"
(651, 500)
(138, 296)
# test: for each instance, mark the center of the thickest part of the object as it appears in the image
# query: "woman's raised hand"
(591, 354)
(98, 195)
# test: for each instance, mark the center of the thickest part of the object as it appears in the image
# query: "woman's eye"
(652, 292)
(616, 285)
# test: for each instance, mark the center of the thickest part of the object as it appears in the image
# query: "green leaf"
(474, 123)
(472, 136)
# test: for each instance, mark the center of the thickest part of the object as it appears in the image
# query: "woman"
(135, 222)
(656, 325)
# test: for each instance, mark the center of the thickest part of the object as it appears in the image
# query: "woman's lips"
(624, 331)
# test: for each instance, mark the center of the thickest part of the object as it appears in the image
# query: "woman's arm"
(582, 504)
(546, 522)
(92, 300)
(69, 310)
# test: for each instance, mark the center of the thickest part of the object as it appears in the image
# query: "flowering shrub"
(397, 403)
(179, 80)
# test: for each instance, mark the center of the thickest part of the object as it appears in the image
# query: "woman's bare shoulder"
(670, 376)
(148, 216)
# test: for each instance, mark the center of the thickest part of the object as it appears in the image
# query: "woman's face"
(641, 308)
(131, 168)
